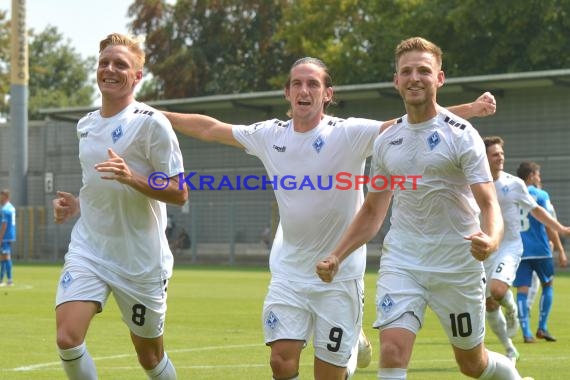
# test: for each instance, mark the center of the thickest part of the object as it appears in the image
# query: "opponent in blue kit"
(537, 257)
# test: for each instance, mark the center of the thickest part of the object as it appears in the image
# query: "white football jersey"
(442, 157)
(315, 207)
(514, 199)
(120, 228)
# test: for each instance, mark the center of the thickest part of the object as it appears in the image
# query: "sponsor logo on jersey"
(397, 141)
(83, 135)
(280, 149)
(254, 128)
(144, 112)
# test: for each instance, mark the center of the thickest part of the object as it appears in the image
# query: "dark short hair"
(526, 168)
(493, 140)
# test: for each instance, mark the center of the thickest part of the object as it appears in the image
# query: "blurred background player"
(555, 242)
(515, 200)
(537, 257)
(7, 236)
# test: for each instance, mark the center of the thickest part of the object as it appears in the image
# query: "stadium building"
(228, 225)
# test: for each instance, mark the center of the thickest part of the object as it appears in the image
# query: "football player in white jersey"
(432, 255)
(501, 268)
(303, 158)
(118, 244)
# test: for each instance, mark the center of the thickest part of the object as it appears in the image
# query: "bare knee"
(491, 304)
(471, 362)
(66, 339)
(150, 351)
(284, 360)
(498, 289)
(472, 369)
(149, 359)
(392, 355)
(283, 367)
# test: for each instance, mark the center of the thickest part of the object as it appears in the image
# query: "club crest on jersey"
(433, 140)
(318, 144)
(117, 133)
(66, 280)
(271, 320)
(505, 189)
(387, 304)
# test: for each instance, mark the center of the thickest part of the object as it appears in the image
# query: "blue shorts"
(6, 248)
(544, 268)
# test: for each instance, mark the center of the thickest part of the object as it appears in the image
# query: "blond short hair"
(134, 44)
(418, 44)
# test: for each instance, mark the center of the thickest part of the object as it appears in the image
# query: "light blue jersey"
(533, 232)
(8, 216)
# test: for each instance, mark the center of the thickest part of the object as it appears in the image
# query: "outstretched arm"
(545, 218)
(202, 127)
(484, 105)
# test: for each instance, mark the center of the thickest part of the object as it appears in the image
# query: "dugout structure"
(229, 226)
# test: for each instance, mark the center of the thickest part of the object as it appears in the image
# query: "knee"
(283, 367)
(498, 290)
(66, 339)
(149, 360)
(491, 304)
(392, 355)
(471, 368)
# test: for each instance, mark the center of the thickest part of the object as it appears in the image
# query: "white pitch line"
(34, 367)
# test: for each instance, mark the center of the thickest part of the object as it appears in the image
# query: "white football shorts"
(456, 298)
(330, 312)
(142, 304)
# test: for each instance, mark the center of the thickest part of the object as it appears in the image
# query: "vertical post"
(19, 104)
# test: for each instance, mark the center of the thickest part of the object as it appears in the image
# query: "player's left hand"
(327, 268)
(485, 105)
(482, 246)
(562, 259)
(116, 167)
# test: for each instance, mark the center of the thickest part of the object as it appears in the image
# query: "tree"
(197, 48)
(212, 47)
(4, 62)
(59, 76)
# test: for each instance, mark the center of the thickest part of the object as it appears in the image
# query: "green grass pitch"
(213, 331)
